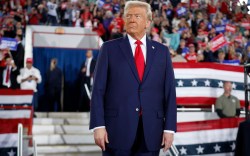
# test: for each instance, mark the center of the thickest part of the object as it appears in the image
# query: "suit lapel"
(127, 51)
(149, 59)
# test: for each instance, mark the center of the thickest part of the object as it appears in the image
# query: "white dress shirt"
(25, 73)
(143, 46)
(7, 84)
(87, 65)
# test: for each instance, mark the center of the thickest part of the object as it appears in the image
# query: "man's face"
(228, 87)
(28, 65)
(8, 61)
(89, 54)
(136, 22)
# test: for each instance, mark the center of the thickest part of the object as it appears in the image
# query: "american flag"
(15, 108)
(201, 83)
(210, 137)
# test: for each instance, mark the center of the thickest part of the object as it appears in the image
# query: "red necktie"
(140, 63)
(139, 59)
(7, 75)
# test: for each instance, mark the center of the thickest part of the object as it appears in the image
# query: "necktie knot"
(138, 42)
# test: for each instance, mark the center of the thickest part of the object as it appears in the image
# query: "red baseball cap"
(29, 60)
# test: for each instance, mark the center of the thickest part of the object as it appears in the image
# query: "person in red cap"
(29, 78)
(191, 57)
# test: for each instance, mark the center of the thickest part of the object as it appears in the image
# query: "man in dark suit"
(86, 77)
(133, 104)
(8, 74)
(18, 55)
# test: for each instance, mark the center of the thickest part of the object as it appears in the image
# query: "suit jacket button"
(137, 109)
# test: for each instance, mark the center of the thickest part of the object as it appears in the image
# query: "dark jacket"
(118, 94)
(13, 76)
(243, 139)
(53, 81)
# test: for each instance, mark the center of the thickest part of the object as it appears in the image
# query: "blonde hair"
(130, 4)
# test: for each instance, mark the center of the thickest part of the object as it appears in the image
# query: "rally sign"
(181, 11)
(11, 43)
(245, 25)
(100, 3)
(202, 44)
(195, 5)
(217, 42)
(220, 29)
(238, 39)
(230, 28)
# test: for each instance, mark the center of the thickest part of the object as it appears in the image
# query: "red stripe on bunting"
(15, 92)
(209, 124)
(11, 125)
(215, 66)
(9, 107)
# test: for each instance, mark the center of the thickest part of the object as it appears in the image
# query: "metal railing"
(20, 140)
(183, 109)
(20, 146)
(173, 151)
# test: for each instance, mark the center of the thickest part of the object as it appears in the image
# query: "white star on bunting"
(207, 83)
(234, 85)
(200, 149)
(233, 146)
(180, 83)
(220, 84)
(11, 153)
(194, 83)
(217, 148)
(183, 150)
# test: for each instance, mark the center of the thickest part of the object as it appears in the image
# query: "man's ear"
(148, 24)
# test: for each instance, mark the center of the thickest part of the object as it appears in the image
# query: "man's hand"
(167, 140)
(13, 64)
(34, 78)
(84, 70)
(101, 137)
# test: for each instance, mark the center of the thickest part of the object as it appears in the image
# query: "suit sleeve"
(170, 96)
(239, 150)
(20, 76)
(99, 88)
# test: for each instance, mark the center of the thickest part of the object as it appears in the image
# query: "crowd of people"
(188, 28)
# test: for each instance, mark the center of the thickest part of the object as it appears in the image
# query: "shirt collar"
(90, 58)
(132, 40)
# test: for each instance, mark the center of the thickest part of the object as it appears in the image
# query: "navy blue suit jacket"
(118, 93)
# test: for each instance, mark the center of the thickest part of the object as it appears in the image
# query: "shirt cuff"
(14, 69)
(97, 128)
(168, 131)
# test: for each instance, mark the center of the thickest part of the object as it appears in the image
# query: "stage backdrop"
(69, 46)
